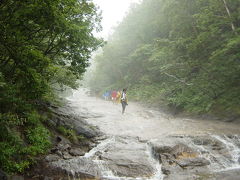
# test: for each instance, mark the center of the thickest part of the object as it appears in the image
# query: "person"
(114, 96)
(104, 95)
(108, 95)
(118, 98)
(124, 100)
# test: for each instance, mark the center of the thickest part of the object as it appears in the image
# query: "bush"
(70, 134)
(21, 139)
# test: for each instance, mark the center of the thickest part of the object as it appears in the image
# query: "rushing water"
(143, 122)
(107, 173)
(149, 125)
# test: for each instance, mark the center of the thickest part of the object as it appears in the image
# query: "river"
(134, 138)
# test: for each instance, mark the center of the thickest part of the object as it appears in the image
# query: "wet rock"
(59, 153)
(228, 175)
(52, 157)
(183, 176)
(127, 167)
(100, 138)
(92, 145)
(87, 130)
(66, 155)
(76, 152)
(183, 151)
(192, 157)
(62, 139)
(163, 149)
(65, 116)
(179, 160)
(169, 165)
(209, 142)
(63, 147)
(202, 141)
(127, 157)
(80, 167)
(56, 165)
(192, 162)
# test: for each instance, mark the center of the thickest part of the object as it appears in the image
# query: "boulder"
(63, 147)
(52, 157)
(127, 157)
(66, 155)
(76, 152)
(179, 160)
(78, 167)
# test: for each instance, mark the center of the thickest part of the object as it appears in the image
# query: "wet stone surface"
(127, 157)
(143, 144)
(198, 157)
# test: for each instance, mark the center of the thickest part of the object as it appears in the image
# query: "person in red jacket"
(114, 96)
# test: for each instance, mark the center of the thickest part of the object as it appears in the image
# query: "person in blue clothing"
(105, 95)
(109, 95)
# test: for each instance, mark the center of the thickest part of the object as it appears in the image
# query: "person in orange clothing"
(118, 100)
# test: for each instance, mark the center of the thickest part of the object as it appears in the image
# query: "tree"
(178, 52)
(43, 42)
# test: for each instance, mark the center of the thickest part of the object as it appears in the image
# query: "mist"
(169, 52)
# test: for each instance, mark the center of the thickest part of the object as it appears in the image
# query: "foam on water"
(233, 149)
(108, 174)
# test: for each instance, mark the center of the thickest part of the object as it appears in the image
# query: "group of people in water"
(117, 97)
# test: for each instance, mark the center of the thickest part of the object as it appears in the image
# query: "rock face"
(76, 152)
(65, 158)
(189, 157)
(66, 117)
(128, 158)
(181, 157)
(78, 167)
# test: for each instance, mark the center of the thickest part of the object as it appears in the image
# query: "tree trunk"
(229, 14)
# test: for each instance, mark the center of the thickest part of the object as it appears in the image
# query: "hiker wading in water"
(124, 100)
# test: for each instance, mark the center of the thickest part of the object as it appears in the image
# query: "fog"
(112, 13)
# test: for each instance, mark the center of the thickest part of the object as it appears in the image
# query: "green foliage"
(44, 45)
(70, 134)
(17, 153)
(176, 52)
(38, 139)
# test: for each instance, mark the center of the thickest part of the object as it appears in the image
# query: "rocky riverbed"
(143, 144)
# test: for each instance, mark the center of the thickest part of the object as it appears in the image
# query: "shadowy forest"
(182, 54)
(44, 47)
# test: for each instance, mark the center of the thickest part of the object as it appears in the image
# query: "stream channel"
(148, 144)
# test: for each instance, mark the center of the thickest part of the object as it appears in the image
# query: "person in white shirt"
(124, 100)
